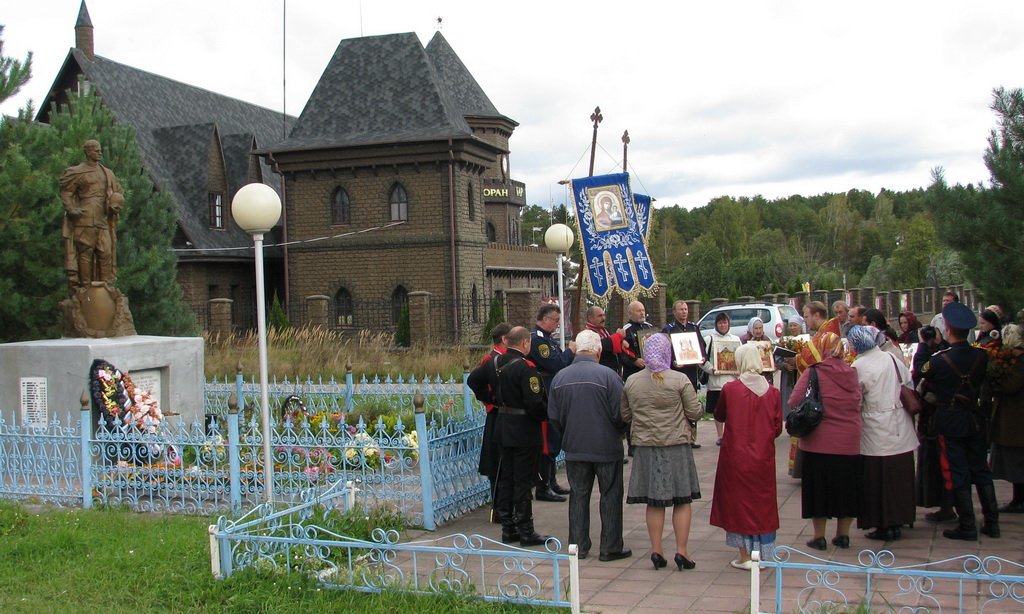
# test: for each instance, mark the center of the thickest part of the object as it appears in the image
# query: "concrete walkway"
(632, 585)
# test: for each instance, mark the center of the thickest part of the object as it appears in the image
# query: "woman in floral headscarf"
(1007, 382)
(888, 439)
(745, 502)
(831, 452)
(661, 403)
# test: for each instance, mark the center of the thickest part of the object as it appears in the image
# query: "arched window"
(399, 299)
(492, 233)
(343, 311)
(341, 207)
(469, 202)
(399, 203)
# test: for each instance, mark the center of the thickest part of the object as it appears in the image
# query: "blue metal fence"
(422, 462)
(965, 583)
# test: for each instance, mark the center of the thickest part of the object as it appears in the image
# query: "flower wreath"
(115, 396)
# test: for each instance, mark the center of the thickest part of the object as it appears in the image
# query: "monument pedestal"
(98, 310)
(43, 380)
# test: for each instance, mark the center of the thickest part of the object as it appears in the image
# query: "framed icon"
(765, 348)
(686, 349)
(723, 359)
(641, 338)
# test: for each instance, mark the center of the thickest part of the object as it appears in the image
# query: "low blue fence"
(301, 539)
(807, 583)
(422, 463)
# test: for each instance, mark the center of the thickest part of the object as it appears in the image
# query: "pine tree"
(33, 275)
(13, 74)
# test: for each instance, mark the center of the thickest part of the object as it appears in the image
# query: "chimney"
(83, 33)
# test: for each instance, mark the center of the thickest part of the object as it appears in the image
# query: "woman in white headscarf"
(662, 407)
(887, 441)
(744, 502)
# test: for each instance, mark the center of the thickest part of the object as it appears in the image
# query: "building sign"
(34, 410)
(498, 191)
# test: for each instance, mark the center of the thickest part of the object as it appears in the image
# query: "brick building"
(394, 179)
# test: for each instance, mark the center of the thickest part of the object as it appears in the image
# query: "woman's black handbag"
(807, 416)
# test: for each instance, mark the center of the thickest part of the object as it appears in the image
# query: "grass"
(113, 561)
(323, 352)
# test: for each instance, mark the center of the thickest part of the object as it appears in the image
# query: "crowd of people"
(869, 459)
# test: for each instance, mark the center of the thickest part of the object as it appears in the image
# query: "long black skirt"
(888, 491)
(831, 486)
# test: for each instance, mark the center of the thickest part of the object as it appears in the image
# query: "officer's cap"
(959, 316)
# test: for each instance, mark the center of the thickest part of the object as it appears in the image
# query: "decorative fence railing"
(419, 463)
(300, 539)
(965, 583)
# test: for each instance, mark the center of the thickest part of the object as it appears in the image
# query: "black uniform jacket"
(521, 401)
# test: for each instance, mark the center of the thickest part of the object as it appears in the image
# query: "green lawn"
(115, 561)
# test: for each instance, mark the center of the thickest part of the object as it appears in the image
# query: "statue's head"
(93, 150)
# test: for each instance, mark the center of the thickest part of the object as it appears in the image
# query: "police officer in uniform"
(521, 403)
(550, 358)
(954, 376)
(482, 381)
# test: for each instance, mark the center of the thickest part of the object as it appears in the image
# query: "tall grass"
(114, 561)
(322, 352)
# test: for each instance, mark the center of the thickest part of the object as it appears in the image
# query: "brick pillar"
(696, 310)
(523, 304)
(579, 318)
(220, 316)
(917, 300)
(658, 313)
(881, 302)
(782, 298)
(867, 297)
(837, 294)
(802, 298)
(419, 319)
(317, 311)
(854, 296)
(768, 298)
(615, 313)
(821, 295)
(717, 302)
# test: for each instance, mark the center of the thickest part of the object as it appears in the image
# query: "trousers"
(610, 487)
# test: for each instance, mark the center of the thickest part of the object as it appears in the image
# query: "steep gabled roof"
(468, 96)
(162, 109)
(378, 89)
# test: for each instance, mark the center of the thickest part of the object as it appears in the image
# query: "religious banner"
(642, 204)
(614, 248)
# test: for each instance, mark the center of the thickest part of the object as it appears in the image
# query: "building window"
(469, 201)
(492, 233)
(341, 207)
(399, 204)
(399, 300)
(216, 210)
(343, 308)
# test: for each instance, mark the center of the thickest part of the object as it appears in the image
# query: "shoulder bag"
(808, 414)
(909, 397)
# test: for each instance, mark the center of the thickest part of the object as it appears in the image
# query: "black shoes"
(961, 532)
(842, 541)
(658, 560)
(559, 489)
(683, 563)
(940, 516)
(887, 534)
(625, 553)
(509, 536)
(532, 539)
(817, 543)
(546, 494)
(695, 446)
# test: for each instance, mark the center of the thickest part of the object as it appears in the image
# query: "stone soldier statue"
(92, 200)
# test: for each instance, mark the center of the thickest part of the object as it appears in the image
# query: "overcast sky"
(720, 98)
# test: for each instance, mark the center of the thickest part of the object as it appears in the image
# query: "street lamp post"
(558, 238)
(256, 209)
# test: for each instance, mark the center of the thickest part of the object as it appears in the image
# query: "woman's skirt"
(663, 476)
(831, 485)
(1008, 463)
(887, 495)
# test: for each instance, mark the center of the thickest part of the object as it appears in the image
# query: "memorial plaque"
(148, 380)
(34, 410)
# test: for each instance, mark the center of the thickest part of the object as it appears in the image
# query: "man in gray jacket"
(584, 403)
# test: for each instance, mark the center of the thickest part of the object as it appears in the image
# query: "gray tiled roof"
(380, 89)
(463, 89)
(162, 111)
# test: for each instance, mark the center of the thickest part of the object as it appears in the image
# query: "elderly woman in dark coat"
(1008, 418)
(831, 472)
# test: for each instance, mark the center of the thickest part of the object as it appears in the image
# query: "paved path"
(632, 585)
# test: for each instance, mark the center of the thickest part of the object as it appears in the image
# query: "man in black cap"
(955, 376)
(550, 358)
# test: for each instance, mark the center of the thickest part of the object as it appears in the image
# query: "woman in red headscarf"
(909, 326)
(831, 470)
